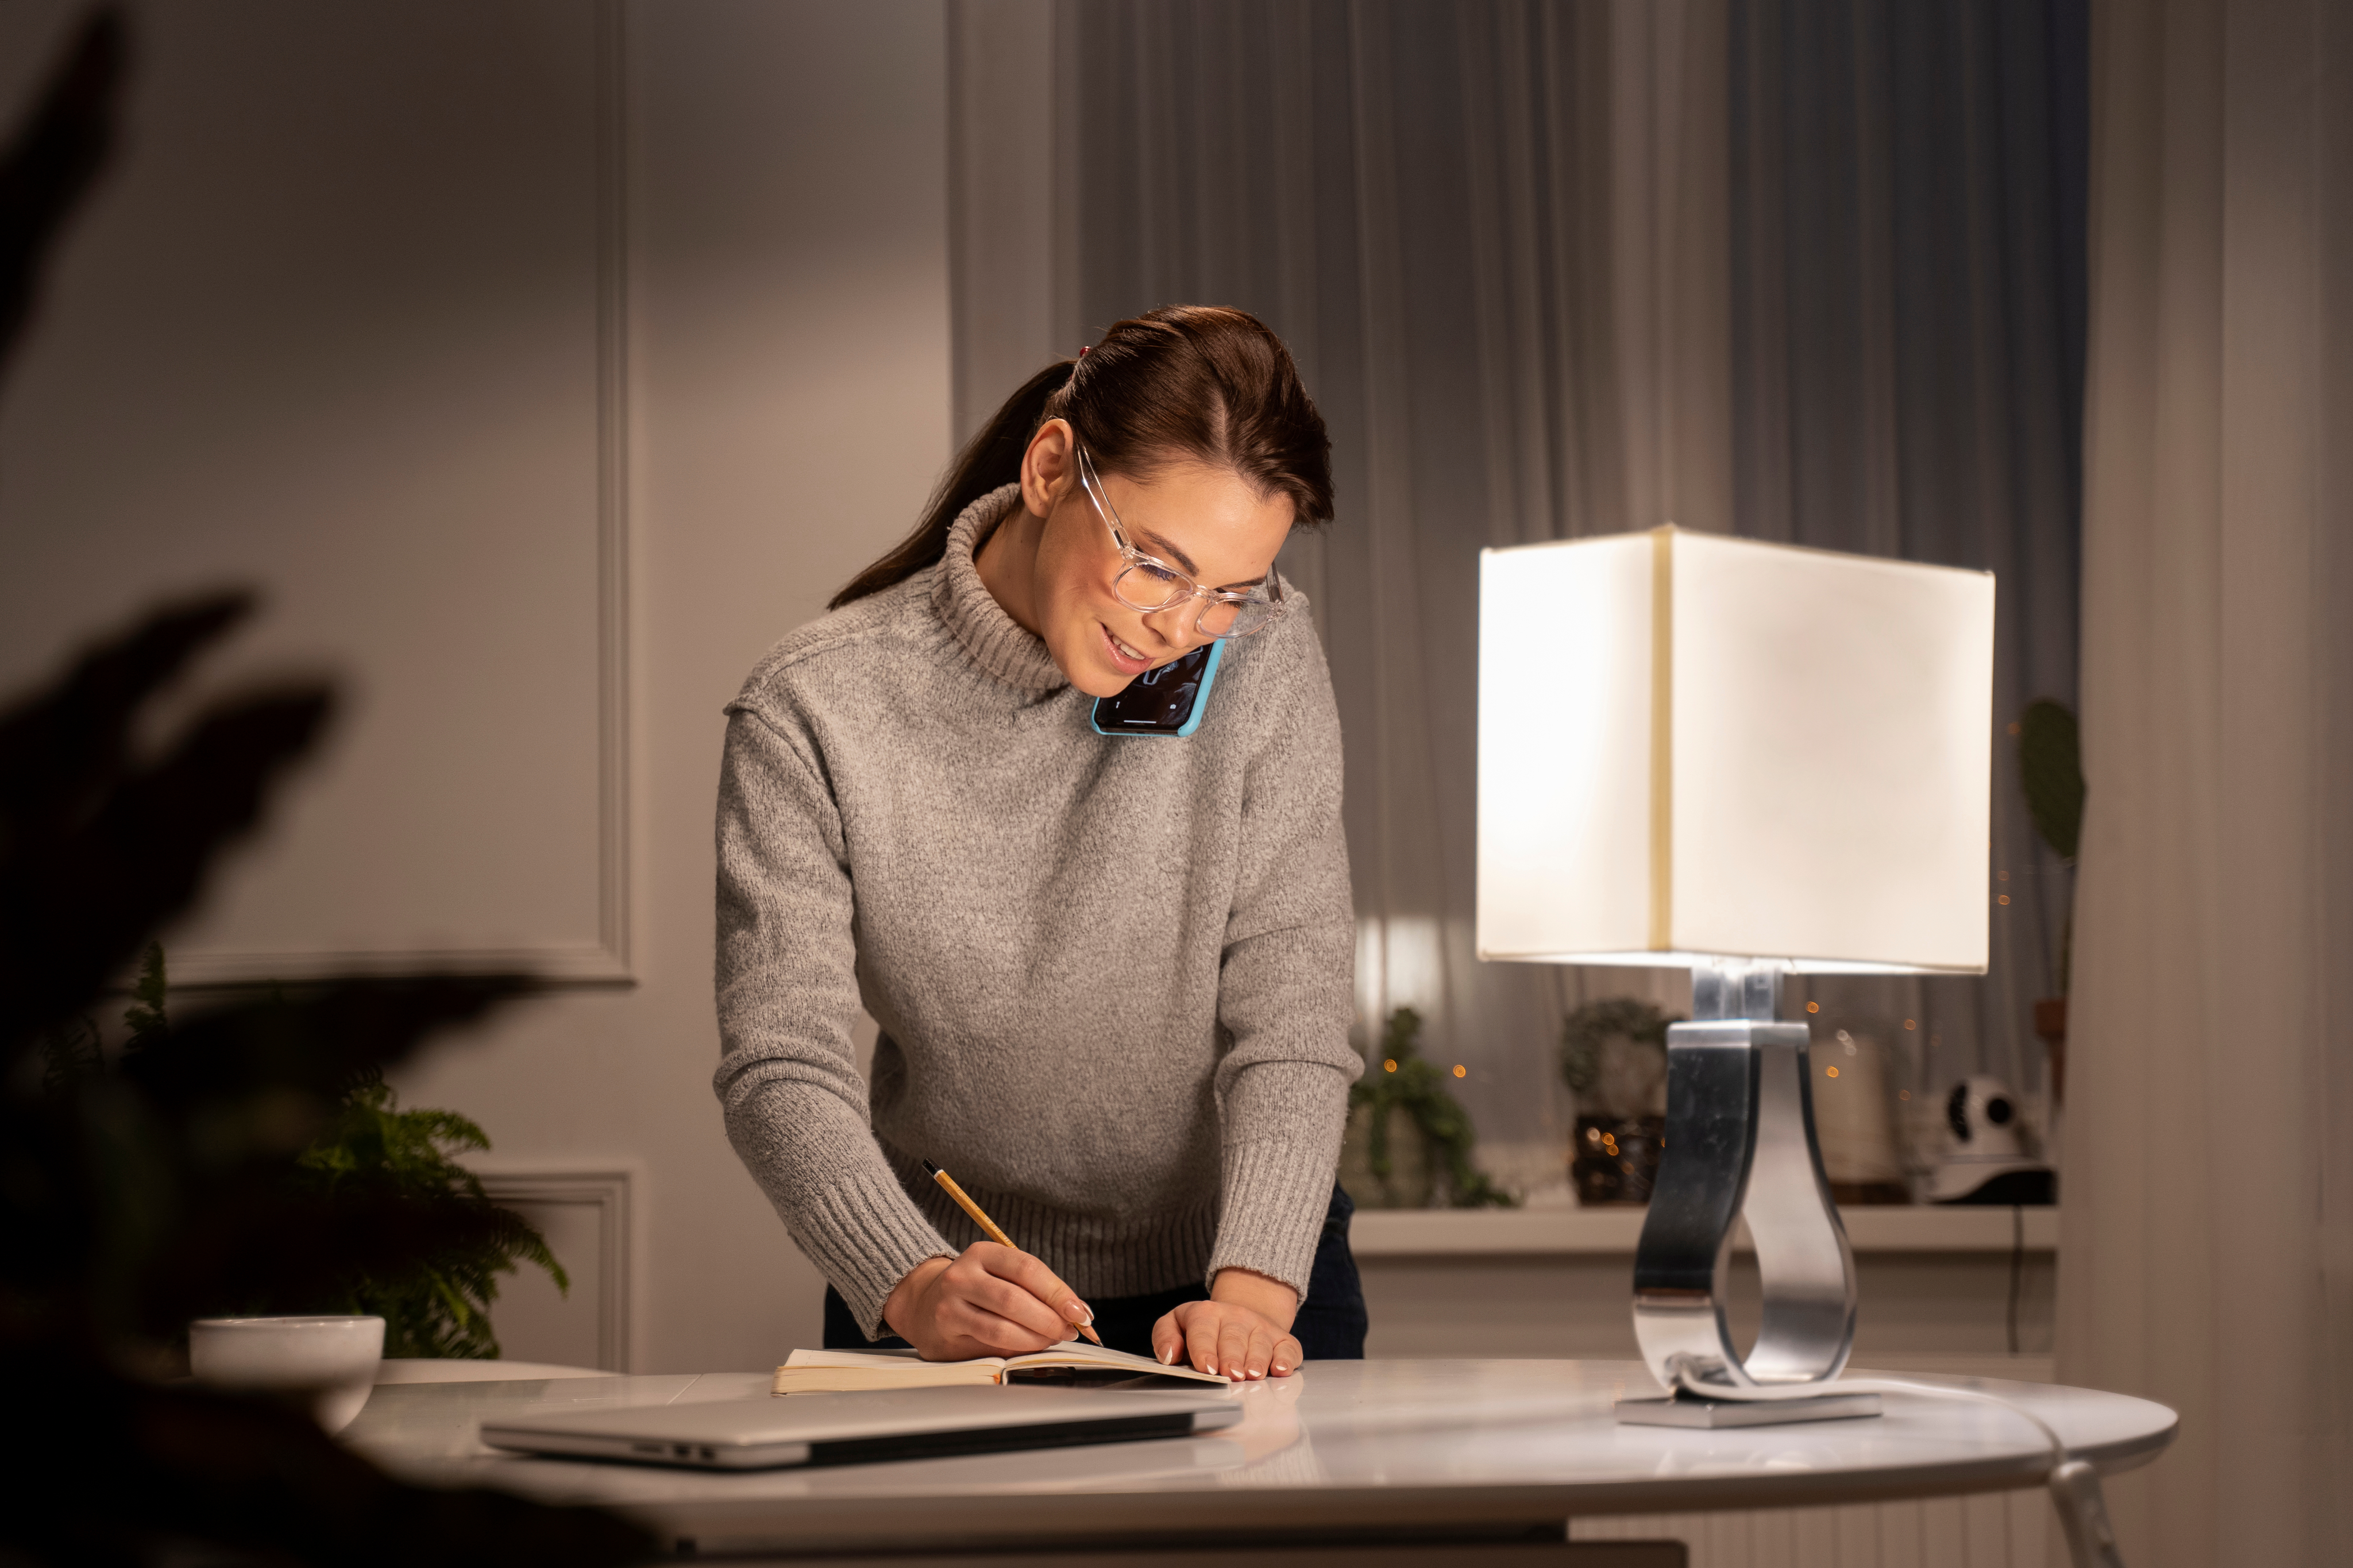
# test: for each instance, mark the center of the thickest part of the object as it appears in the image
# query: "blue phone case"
(1153, 727)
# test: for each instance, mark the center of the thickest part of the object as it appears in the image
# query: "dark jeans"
(1330, 1325)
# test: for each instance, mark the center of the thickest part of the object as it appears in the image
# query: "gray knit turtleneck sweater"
(1112, 974)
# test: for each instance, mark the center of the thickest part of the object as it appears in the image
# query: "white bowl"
(327, 1362)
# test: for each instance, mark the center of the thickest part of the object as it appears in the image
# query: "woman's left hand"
(1242, 1331)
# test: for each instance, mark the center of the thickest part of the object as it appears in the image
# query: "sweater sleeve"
(787, 979)
(1284, 994)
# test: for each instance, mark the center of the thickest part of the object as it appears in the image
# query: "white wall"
(545, 362)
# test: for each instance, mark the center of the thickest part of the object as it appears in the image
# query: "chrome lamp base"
(1740, 1141)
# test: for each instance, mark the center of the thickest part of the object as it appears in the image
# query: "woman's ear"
(1049, 467)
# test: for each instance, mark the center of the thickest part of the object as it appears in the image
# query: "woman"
(1113, 974)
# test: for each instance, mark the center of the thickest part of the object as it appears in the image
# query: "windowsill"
(1569, 1232)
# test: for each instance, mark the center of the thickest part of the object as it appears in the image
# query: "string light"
(1813, 1006)
(1832, 1071)
(1389, 1066)
(1462, 1071)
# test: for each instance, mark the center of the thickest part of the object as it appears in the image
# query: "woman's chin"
(1094, 664)
(1098, 682)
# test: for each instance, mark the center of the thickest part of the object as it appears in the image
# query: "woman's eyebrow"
(1175, 556)
(1179, 558)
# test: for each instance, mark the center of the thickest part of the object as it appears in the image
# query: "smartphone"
(1168, 701)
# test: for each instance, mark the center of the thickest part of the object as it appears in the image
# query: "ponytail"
(1191, 380)
(990, 461)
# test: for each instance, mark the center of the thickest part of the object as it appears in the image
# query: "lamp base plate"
(1685, 1410)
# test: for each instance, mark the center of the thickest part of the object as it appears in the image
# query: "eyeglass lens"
(1149, 588)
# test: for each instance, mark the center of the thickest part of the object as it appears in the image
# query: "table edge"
(1010, 1521)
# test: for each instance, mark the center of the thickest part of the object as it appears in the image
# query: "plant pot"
(1616, 1158)
(1412, 1179)
(324, 1365)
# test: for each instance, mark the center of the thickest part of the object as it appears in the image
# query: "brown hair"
(1183, 381)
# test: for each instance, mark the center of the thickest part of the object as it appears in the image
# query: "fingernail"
(1077, 1313)
(1280, 1369)
(1167, 1356)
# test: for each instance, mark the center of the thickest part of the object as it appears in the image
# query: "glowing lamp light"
(1692, 746)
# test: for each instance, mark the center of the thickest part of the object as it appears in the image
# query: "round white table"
(1450, 1454)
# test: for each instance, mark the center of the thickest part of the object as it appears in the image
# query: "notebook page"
(883, 1360)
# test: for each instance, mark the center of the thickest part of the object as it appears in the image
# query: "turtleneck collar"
(994, 639)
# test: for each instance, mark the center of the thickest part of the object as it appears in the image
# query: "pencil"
(964, 1201)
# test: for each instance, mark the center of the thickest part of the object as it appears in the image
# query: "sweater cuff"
(1274, 1196)
(866, 1237)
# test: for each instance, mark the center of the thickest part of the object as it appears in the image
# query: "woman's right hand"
(992, 1300)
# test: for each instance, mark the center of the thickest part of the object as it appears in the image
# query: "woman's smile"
(1127, 660)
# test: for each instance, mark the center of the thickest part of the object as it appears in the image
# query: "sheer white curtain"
(1552, 271)
(2207, 1258)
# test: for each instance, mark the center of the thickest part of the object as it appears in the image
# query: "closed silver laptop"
(770, 1433)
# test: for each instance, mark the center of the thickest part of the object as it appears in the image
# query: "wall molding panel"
(404, 414)
(607, 1192)
(605, 962)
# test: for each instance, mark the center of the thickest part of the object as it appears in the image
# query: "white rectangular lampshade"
(1693, 746)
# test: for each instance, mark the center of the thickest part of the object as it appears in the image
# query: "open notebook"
(844, 1372)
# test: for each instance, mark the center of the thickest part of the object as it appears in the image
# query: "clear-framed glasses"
(1148, 583)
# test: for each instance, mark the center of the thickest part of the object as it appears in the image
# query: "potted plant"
(435, 1303)
(1613, 1057)
(1421, 1160)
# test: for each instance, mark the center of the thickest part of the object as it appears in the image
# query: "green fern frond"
(440, 1308)
(2050, 770)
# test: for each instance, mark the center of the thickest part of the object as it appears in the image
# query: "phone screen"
(1163, 701)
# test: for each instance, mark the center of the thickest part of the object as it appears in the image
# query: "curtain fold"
(2207, 1255)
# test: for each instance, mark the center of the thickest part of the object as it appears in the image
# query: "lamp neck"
(1735, 988)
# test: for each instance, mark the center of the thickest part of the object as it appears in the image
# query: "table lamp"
(1750, 759)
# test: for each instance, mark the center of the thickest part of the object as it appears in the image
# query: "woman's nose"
(1176, 625)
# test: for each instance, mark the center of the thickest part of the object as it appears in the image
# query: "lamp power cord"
(2074, 1483)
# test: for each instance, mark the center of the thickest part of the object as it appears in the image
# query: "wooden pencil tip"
(1090, 1333)
(931, 1170)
